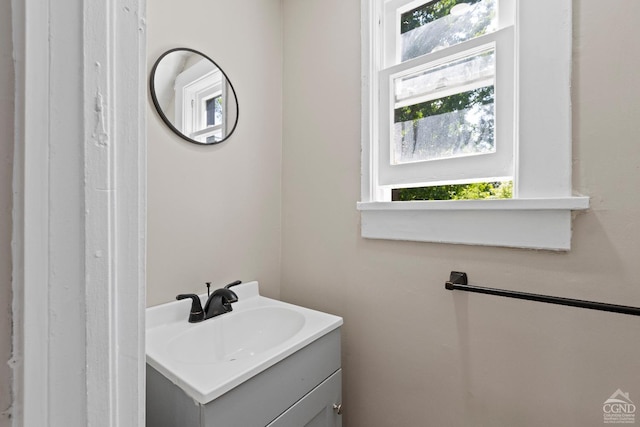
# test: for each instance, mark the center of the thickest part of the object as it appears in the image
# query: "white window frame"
(463, 168)
(540, 213)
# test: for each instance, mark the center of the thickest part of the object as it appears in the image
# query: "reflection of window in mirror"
(201, 91)
(214, 110)
(212, 120)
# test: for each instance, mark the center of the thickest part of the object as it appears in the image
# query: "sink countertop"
(205, 378)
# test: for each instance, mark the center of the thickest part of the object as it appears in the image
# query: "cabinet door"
(316, 409)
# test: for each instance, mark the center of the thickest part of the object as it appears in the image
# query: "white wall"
(214, 212)
(415, 354)
(6, 168)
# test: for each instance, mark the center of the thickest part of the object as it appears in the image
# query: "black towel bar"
(458, 282)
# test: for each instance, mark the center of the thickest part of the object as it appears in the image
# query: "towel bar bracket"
(456, 278)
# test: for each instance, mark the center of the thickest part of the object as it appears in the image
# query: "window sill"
(520, 223)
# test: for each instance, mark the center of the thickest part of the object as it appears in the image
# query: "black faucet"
(219, 302)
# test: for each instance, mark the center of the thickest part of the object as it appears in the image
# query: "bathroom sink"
(209, 358)
(236, 335)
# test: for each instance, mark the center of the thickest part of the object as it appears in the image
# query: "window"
(471, 97)
(439, 103)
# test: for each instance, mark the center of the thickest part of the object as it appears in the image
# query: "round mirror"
(193, 96)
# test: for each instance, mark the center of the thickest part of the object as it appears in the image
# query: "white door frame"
(79, 220)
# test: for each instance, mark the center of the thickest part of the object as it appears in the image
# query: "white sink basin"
(209, 358)
(236, 335)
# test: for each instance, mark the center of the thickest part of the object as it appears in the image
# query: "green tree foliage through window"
(460, 101)
(432, 27)
(453, 136)
(428, 12)
(474, 191)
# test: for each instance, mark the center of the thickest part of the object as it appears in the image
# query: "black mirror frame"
(164, 117)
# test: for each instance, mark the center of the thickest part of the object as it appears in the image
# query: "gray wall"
(214, 212)
(6, 165)
(415, 354)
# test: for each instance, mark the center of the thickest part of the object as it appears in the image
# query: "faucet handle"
(237, 282)
(196, 314)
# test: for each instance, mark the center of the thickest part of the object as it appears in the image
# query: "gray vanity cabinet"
(299, 391)
(320, 408)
